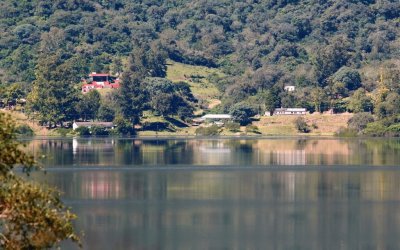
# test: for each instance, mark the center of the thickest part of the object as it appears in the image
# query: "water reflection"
(129, 152)
(234, 209)
(229, 208)
(283, 186)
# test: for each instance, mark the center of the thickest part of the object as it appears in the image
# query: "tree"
(272, 99)
(318, 97)
(242, 112)
(360, 102)
(339, 90)
(53, 97)
(167, 98)
(124, 126)
(330, 58)
(349, 77)
(389, 107)
(132, 98)
(89, 104)
(31, 216)
(12, 93)
(106, 113)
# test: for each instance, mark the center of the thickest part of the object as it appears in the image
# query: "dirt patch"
(213, 103)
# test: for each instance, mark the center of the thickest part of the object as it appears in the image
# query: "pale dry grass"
(326, 124)
(21, 118)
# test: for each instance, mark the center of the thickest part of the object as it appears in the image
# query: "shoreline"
(220, 137)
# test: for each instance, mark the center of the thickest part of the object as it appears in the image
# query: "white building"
(216, 117)
(288, 111)
(76, 125)
(289, 88)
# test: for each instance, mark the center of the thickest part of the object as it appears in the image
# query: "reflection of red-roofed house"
(100, 81)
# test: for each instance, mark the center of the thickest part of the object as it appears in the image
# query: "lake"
(271, 193)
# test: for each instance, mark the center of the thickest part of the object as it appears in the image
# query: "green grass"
(204, 89)
(104, 92)
(281, 130)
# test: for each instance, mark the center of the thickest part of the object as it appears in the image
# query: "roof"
(217, 116)
(99, 74)
(292, 109)
(99, 124)
(297, 109)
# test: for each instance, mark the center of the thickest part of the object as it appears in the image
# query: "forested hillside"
(341, 54)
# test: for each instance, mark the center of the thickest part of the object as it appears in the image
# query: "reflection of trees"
(301, 144)
(256, 206)
(115, 152)
(383, 151)
(233, 204)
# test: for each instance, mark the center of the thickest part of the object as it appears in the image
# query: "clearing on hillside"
(196, 77)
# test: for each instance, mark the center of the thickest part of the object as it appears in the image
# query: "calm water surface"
(229, 193)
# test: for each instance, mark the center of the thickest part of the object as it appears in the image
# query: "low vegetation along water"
(229, 193)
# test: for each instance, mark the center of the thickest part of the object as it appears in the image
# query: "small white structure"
(76, 125)
(288, 111)
(289, 88)
(216, 117)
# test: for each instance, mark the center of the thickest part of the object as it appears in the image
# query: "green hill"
(341, 55)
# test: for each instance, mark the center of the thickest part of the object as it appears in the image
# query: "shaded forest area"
(341, 55)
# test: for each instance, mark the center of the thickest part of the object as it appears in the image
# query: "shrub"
(83, 131)
(301, 125)
(99, 131)
(252, 129)
(393, 130)
(375, 129)
(24, 130)
(233, 126)
(359, 121)
(208, 131)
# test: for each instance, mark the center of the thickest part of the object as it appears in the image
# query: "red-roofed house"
(100, 81)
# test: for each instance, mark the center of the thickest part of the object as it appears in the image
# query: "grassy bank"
(320, 124)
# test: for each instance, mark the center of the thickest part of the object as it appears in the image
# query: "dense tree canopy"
(322, 47)
(326, 34)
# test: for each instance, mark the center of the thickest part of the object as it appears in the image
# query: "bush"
(208, 131)
(233, 126)
(123, 127)
(252, 129)
(99, 131)
(375, 129)
(24, 130)
(301, 125)
(83, 131)
(393, 130)
(359, 121)
(380, 129)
